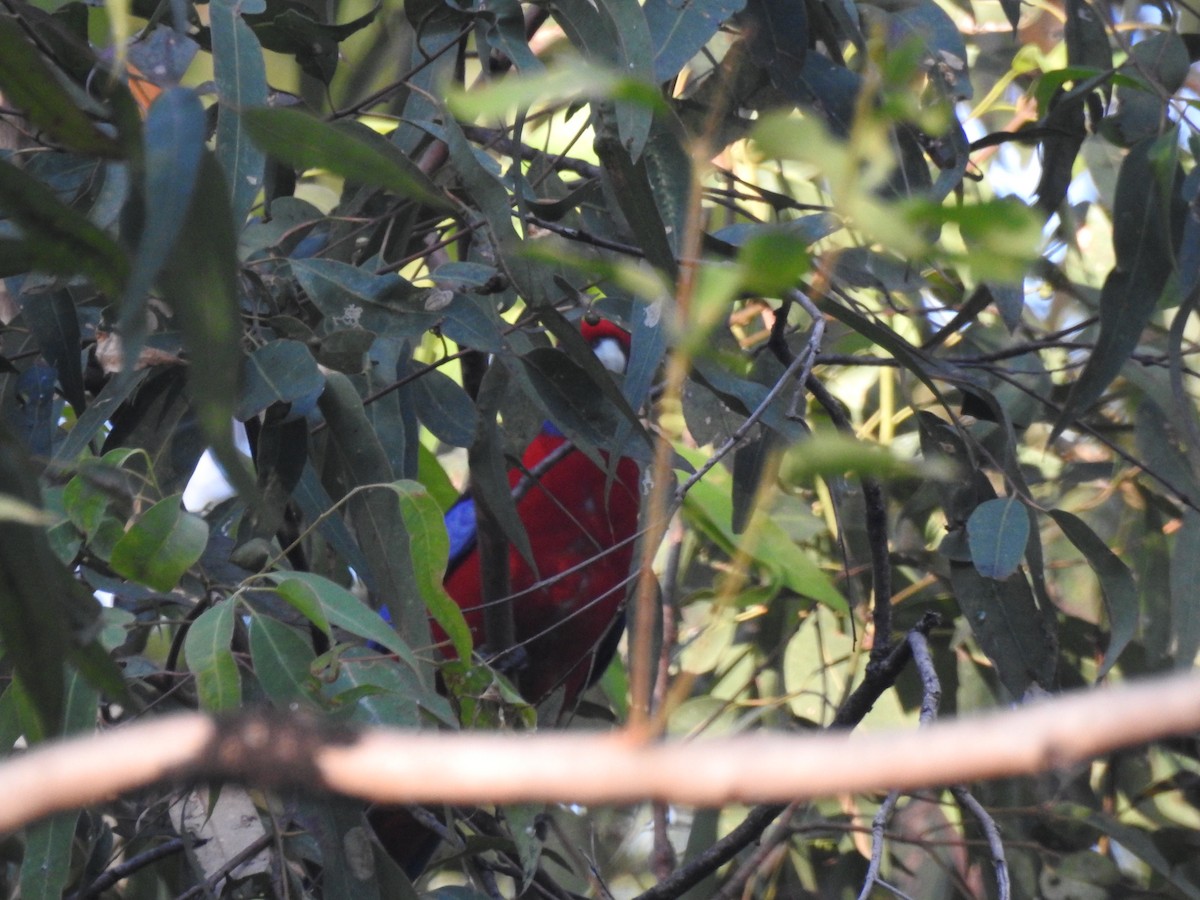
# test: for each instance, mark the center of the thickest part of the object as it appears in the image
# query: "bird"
(567, 605)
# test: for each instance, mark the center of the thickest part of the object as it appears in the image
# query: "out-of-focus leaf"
(174, 146)
(241, 78)
(1116, 583)
(445, 409)
(161, 545)
(279, 372)
(60, 240)
(997, 532)
(199, 280)
(1010, 628)
(206, 647)
(43, 609)
(709, 505)
(46, 865)
(680, 31)
(32, 87)
(305, 142)
(1147, 222)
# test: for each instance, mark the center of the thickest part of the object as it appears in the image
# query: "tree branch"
(274, 750)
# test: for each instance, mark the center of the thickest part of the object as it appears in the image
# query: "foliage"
(355, 230)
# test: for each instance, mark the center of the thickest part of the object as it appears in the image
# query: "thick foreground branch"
(269, 749)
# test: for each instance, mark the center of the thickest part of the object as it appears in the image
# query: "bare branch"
(401, 767)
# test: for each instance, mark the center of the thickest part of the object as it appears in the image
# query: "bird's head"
(609, 341)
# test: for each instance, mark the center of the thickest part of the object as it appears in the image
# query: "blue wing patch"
(460, 526)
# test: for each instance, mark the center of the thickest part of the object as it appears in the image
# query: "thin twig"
(878, 827)
(248, 853)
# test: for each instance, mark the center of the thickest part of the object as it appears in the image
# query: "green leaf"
(324, 604)
(1147, 221)
(278, 372)
(305, 142)
(1011, 630)
(350, 297)
(430, 549)
(46, 866)
(241, 78)
(1116, 583)
(997, 532)
(52, 318)
(680, 31)
(161, 545)
(283, 661)
(445, 409)
(174, 149)
(357, 460)
(207, 649)
(43, 609)
(32, 86)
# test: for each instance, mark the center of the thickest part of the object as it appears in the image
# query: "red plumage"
(581, 527)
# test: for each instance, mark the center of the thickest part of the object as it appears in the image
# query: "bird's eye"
(611, 354)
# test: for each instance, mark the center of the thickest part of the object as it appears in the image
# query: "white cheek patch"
(610, 353)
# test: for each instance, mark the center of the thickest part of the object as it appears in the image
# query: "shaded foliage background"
(357, 228)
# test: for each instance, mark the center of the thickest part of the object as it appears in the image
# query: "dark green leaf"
(1010, 628)
(42, 607)
(241, 78)
(445, 409)
(357, 460)
(279, 372)
(55, 324)
(305, 142)
(61, 240)
(174, 146)
(353, 298)
(680, 31)
(1116, 583)
(46, 866)
(1185, 575)
(1147, 221)
(997, 532)
(199, 281)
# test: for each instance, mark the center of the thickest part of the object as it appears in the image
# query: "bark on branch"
(270, 749)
